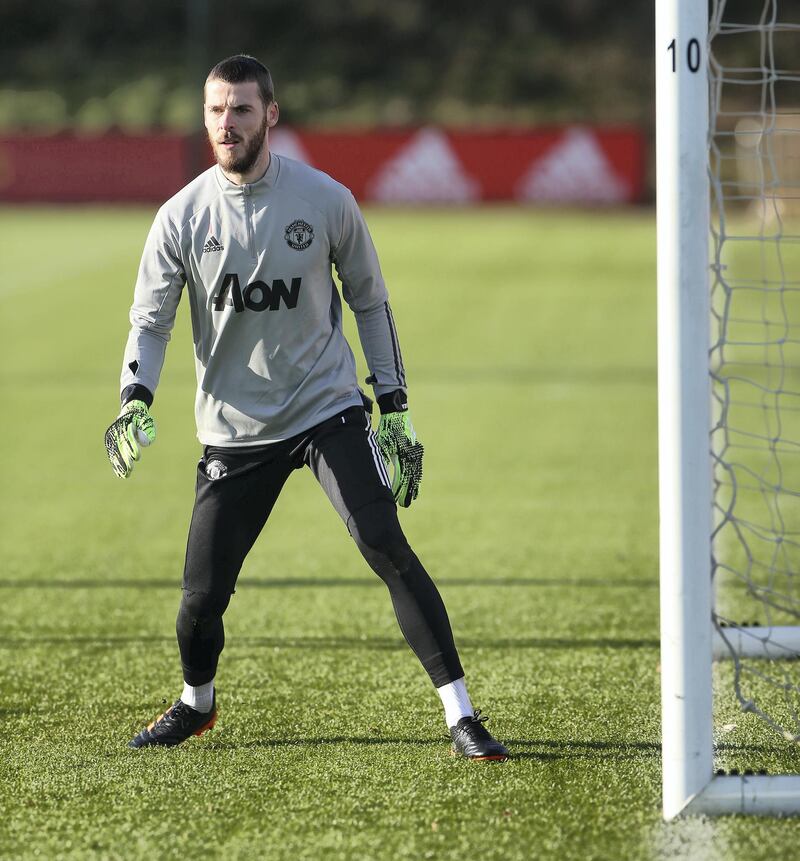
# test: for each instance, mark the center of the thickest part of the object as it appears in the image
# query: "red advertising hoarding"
(569, 164)
(107, 169)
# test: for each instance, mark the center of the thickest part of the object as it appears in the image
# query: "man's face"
(237, 122)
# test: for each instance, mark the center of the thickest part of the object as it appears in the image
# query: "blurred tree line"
(97, 64)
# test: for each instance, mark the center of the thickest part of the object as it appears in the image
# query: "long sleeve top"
(256, 262)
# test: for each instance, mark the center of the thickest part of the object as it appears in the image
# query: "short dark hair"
(243, 67)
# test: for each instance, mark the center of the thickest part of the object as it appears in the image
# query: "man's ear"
(273, 113)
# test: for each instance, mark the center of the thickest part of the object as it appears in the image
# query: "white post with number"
(684, 412)
(684, 399)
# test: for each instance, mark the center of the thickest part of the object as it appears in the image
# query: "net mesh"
(754, 165)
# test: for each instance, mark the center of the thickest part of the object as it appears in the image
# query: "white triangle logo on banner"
(425, 170)
(575, 170)
(286, 143)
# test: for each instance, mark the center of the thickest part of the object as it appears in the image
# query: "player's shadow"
(541, 750)
(549, 749)
(538, 749)
(323, 741)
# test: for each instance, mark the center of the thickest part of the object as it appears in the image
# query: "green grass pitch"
(529, 340)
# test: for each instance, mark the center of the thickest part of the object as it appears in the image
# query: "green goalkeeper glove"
(400, 448)
(133, 427)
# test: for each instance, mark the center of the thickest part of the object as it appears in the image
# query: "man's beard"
(248, 158)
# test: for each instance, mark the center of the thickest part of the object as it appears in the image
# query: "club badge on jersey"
(299, 235)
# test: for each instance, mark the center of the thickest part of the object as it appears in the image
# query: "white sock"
(199, 697)
(456, 701)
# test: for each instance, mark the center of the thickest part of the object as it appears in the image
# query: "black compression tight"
(417, 604)
(236, 490)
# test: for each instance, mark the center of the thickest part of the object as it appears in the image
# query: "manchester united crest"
(299, 234)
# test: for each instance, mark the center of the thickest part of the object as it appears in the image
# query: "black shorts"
(237, 488)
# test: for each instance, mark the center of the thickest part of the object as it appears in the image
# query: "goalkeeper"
(251, 242)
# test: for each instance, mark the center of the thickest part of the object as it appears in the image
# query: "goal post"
(684, 400)
(690, 639)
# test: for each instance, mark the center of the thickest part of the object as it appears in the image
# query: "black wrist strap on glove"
(393, 402)
(136, 392)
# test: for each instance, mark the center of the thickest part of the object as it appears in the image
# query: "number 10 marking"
(692, 55)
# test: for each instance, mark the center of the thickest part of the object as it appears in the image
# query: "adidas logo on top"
(212, 244)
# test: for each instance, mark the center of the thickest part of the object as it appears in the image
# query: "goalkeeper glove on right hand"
(133, 427)
(400, 448)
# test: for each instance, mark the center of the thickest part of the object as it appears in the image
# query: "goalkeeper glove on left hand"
(133, 427)
(400, 448)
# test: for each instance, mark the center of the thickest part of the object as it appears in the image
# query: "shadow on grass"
(368, 643)
(546, 749)
(324, 583)
(520, 749)
(537, 749)
(608, 749)
(324, 741)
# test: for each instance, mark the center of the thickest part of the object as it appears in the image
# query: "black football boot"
(472, 740)
(178, 723)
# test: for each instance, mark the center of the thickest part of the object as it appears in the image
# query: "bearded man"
(251, 241)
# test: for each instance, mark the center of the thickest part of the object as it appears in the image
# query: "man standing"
(252, 240)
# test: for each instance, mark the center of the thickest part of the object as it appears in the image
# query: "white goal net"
(754, 166)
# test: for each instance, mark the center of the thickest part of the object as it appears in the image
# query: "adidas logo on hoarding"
(213, 244)
(286, 143)
(425, 170)
(575, 170)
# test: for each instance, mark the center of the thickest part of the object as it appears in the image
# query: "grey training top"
(270, 354)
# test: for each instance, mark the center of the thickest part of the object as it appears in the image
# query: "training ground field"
(529, 341)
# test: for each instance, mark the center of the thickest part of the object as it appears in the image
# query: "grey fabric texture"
(256, 263)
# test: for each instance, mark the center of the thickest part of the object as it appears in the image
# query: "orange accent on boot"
(209, 725)
(151, 725)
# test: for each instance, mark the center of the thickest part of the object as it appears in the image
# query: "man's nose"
(226, 120)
